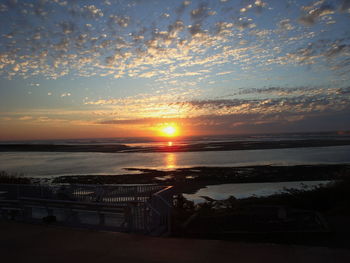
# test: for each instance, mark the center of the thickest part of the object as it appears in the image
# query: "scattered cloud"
(97, 39)
(313, 12)
(345, 6)
(270, 104)
(66, 94)
(25, 118)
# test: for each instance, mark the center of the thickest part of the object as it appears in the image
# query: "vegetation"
(260, 218)
(329, 199)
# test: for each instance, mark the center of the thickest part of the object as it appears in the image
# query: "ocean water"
(147, 141)
(50, 164)
(53, 164)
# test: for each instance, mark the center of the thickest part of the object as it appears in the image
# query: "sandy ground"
(37, 243)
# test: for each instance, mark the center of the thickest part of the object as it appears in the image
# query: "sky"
(124, 68)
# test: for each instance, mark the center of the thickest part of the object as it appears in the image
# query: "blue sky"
(124, 68)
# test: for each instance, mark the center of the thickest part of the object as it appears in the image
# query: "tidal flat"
(190, 180)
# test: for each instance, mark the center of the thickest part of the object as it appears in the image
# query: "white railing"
(79, 192)
(147, 207)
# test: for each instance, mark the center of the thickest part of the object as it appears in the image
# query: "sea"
(54, 164)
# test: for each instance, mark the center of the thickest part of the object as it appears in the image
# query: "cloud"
(92, 11)
(67, 27)
(265, 104)
(122, 21)
(112, 47)
(66, 94)
(181, 8)
(298, 100)
(142, 121)
(345, 6)
(249, 123)
(256, 5)
(3, 8)
(25, 118)
(331, 54)
(314, 12)
(285, 24)
(224, 73)
(200, 13)
(292, 91)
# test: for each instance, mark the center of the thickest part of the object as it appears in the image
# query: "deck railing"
(80, 192)
(160, 207)
(147, 207)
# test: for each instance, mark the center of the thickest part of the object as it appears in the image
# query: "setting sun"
(169, 130)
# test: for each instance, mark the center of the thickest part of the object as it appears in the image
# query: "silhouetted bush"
(332, 198)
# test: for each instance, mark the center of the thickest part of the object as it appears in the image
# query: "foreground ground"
(34, 243)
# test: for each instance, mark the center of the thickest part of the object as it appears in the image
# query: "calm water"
(55, 164)
(224, 191)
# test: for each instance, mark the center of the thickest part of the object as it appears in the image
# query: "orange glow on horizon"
(169, 130)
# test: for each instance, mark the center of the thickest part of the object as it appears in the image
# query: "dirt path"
(35, 243)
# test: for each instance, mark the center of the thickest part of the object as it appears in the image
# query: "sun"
(169, 130)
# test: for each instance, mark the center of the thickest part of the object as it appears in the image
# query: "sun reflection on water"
(170, 160)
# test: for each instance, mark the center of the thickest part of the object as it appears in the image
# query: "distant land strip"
(193, 147)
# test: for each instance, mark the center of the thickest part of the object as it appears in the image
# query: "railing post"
(27, 212)
(18, 191)
(129, 218)
(101, 218)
